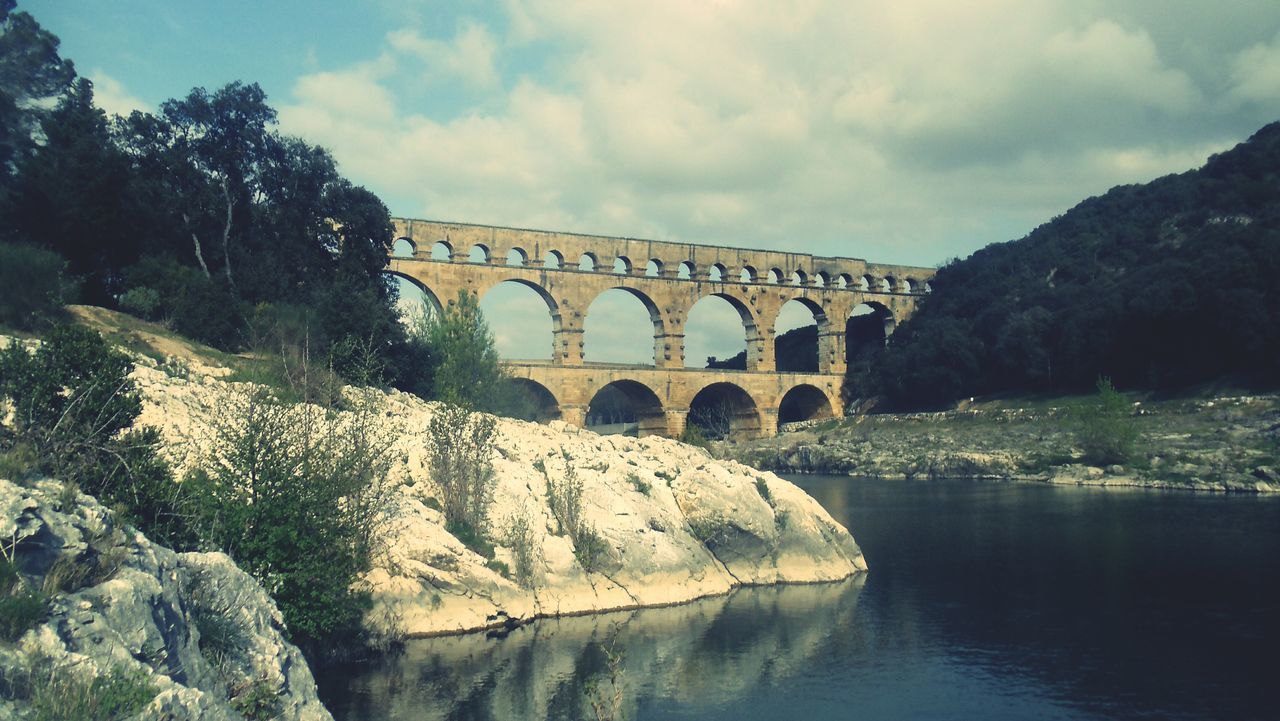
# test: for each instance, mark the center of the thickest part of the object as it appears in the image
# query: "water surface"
(984, 601)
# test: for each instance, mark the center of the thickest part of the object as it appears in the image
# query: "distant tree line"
(1161, 286)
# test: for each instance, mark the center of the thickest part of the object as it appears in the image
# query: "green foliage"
(466, 370)
(459, 444)
(30, 72)
(73, 404)
(59, 693)
(762, 487)
(694, 435)
(21, 607)
(1161, 286)
(642, 486)
(257, 701)
(564, 496)
(525, 554)
(34, 286)
(1105, 429)
(293, 493)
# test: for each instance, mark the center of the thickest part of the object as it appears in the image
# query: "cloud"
(1255, 74)
(469, 56)
(111, 95)
(903, 132)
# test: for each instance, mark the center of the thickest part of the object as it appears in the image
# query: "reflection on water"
(984, 601)
(707, 652)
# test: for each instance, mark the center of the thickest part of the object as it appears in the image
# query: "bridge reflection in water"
(569, 271)
(706, 652)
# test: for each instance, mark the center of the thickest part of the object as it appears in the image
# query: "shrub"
(57, 694)
(73, 404)
(293, 494)
(642, 486)
(1104, 428)
(524, 551)
(694, 435)
(143, 302)
(564, 496)
(459, 445)
(34, 288)
(21, 607)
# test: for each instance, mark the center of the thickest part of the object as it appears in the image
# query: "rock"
(138, 617)
(1267, 474)
(676, 525)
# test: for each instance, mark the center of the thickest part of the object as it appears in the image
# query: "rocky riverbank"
(123, 625)
(673, 523)
(1226, 444)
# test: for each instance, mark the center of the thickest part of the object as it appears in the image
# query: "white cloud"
(470, 56)
(111, 95)
(1255, 74)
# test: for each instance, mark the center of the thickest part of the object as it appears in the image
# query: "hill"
(1160, 286)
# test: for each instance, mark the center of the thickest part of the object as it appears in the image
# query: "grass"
(58, 693)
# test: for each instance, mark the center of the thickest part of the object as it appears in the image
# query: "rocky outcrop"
(676, 524)
(1229, 444)
(197, 635)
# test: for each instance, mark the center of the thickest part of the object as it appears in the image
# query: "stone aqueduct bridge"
(568, 271)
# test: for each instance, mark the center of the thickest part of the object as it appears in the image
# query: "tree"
(466, 370)
(31, 72)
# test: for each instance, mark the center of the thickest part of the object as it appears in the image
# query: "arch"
(928, 287)
(628, 407)
(775, 276)
(748, 274)
(588, 261)
(798, 277)
(517, 258)
(866, 282)
(440, 250)
(707, 335)
(611, 323)
(804, 403)
(911, 285)
(479, 253)
(795, 335)
(716, 273)
(403, 248)
(529, 400)
(553, 259)
(653, 268)
(622, 265)
(686, 270)
(889, 284)
(429, 300)
(867, 328)
(723, 410)
(521, 327)
(843, 280)
(821, 280)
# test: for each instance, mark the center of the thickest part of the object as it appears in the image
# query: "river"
(984, 601)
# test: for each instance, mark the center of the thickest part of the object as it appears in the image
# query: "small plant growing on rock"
(642, 486)
(524, 551)
(762, 487)
(459, 445)
(565, 498)
(21, 607)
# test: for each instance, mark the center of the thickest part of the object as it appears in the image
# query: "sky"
(901, 132)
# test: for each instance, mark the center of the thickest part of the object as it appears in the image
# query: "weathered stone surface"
(677, 525)
(139, 616)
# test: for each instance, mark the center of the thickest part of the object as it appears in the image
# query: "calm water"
(984, 601)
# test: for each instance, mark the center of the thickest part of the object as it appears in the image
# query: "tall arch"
(413, 291)
(724, 410)
(867, 328)
(707, 333)
(805, 402)
(628, 407)
(442, 251)
(610, 326)
(523, 317)
(797, 330)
